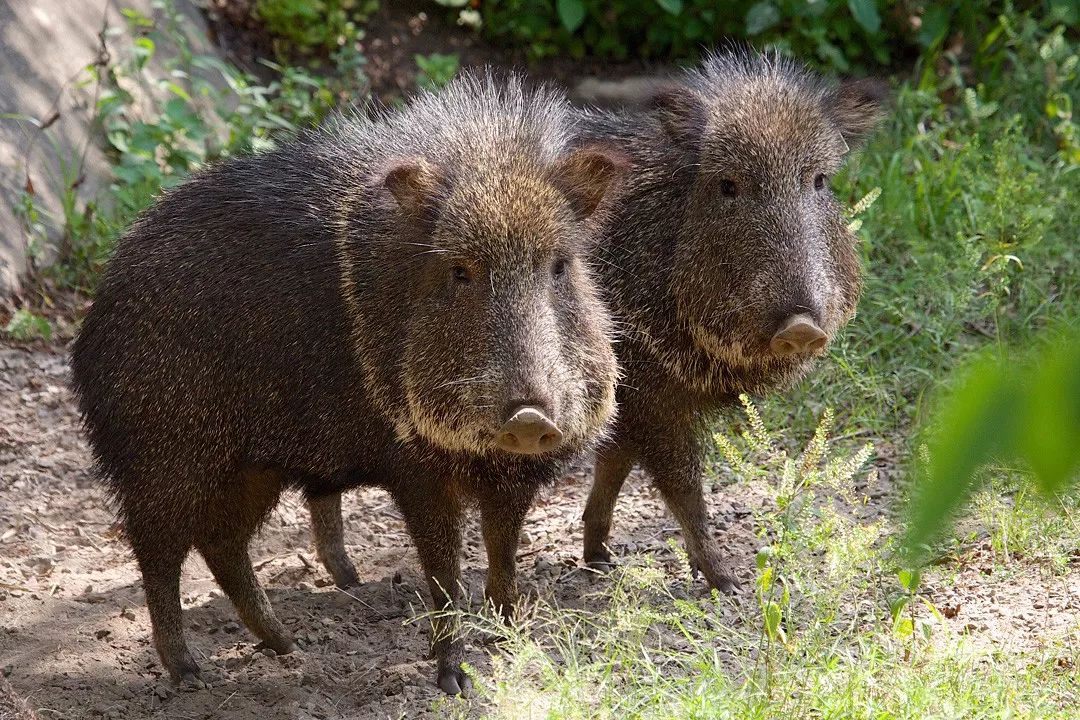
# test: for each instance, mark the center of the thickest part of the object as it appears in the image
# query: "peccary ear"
(412, 182)
(587, 175)
(681, 113)
(856, 106)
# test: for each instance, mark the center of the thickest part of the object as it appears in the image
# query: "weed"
(24, 325)
(436, 70)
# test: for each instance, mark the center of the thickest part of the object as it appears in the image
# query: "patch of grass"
(1023, 527)
(971, 241)
(831, 629)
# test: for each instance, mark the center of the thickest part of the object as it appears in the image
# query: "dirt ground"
(74, 631)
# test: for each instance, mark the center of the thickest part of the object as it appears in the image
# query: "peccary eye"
(462, 275)
(558, 269)
(819, 182)
(728, 189)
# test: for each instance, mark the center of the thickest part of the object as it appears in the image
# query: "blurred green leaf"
(1015, 408)
(571, 13)
(865, 13)
(1050, 430)
(672, 6)
(975, 424)
(935, 23)
(760, 17)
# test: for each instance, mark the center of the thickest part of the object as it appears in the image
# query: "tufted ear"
(412, 182)
(589, 174)
(856, 106)
(681, 113)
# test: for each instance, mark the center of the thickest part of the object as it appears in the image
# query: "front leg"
(676, 471)
(433, 514)
(501, 518)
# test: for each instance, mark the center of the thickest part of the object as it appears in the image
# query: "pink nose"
(528, 432)
(798, 334)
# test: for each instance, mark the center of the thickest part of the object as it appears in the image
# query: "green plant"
(436, 70)
(1004, 408)
(314, 26)
(844, 35)
(25, 325)
(200, 110)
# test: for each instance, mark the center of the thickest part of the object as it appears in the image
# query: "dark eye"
(462, 275)
(558, 269)
(728, 189)
(819, 182)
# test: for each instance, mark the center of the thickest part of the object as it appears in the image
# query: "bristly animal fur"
(361, 305)
(726, 227)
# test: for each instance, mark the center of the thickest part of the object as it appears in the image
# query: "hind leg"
(229, 561)
(223, 543)
(612, 466)
(329, 534)
(160, 555)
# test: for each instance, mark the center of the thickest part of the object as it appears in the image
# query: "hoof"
(728, 585)
(347, 582)
(600, 561)
(282, 646)
(345, 575)
(190, 677)
(454, 681)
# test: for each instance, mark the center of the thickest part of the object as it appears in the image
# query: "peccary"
(730, 265)
(402, 301)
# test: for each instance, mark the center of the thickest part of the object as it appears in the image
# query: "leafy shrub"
(203, 109)
(314, 26)
(25, 325)
(844, 35)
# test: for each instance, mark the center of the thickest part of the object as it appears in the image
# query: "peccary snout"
(529, 432)
(798, 334)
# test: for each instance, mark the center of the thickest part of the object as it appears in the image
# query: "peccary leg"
(501, 519)
(678, 477)
(160, 563)
(329, 536)
(229, 561)
(228, 526)
(433, 515)
(613, 464)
